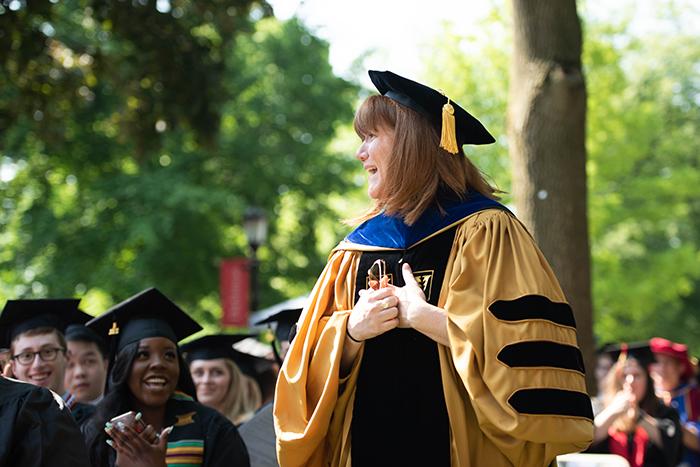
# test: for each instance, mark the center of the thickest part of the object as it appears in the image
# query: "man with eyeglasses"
(32, 330)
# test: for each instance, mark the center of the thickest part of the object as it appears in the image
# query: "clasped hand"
(624, 404)
(145, 449)
(381, 310)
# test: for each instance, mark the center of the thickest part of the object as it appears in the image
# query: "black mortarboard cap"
(252, 365)
(213, 346)
(222, 346)
(286, 320)
(640, 351)
(455, 125)
(23, 315)
(147, 314)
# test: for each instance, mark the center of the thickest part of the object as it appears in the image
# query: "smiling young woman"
(149, 377)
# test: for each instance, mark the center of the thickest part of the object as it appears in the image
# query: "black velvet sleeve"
(36, 429)
(223, 444)
(671, 435)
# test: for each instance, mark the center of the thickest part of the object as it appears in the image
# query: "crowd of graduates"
(119, 389)
(648, 405)
(121, 377)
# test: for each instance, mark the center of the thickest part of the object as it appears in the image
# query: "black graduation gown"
(668, 455)
(81, 412)
(36, 428)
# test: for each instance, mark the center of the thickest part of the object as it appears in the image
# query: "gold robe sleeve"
(313, 404)
(494, 260)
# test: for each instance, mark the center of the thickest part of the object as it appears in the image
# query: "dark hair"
(117, 400)
(649, 403)
(87, 339)
(418, 167)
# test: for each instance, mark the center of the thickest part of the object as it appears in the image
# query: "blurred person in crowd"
(33, 331)
(37, 429)
(437, 311)
(86, 371)
(219, 381)
(635, 424)
(604, 362)
(148, 380)
(259, 432)
(677, 387)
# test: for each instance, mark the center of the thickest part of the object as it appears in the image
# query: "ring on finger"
(385, 304)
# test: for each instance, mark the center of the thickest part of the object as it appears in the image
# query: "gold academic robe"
(493, 419)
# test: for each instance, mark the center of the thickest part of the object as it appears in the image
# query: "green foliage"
(133, 141)
(644, 110)
(473, 71)
(643, 165)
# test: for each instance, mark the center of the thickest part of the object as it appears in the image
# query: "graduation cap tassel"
(113, 337)
(448, 137)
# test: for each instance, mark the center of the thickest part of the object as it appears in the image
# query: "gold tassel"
(448, 137)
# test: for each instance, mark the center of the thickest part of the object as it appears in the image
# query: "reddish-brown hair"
(417, 167)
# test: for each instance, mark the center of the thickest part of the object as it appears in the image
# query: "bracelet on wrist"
(347, 331)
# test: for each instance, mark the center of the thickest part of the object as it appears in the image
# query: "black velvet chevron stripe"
(542, 353)
(547, 401)
(533, 307)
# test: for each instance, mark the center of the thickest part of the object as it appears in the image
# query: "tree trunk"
(546, 131)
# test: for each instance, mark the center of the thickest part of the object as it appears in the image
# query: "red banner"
(234, 286)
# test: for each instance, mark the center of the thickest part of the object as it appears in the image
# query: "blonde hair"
(417, 167)
(243, 396)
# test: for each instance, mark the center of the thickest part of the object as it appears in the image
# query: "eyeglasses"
(46, 355)
(376, 273)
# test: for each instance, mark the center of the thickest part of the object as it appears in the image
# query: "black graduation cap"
(455, 125)
(147, 314)
(252, 365)
(222, 346)
(640, 351)
(286, 323)
(213, 346)
(23, 315)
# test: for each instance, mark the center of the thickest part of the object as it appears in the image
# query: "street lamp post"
(255, 226)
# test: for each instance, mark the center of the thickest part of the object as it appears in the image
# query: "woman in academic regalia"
(219, 382)
(149, 377)
(437, 333)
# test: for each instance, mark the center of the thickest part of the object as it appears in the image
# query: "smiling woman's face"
(374, 153)
(212, 379)
(154, 372)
